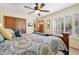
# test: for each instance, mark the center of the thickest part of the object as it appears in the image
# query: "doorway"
(39, 26)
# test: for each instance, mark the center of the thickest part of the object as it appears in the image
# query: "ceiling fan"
(38, 8)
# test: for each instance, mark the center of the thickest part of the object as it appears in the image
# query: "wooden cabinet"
(15, 23)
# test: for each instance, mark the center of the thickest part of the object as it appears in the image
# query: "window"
(58, 25)
(61, 25)
(76, 24)
(68, 24)
(55, 26)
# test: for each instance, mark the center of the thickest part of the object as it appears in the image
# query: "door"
(39, 26)
(8, 22)
(15, 23)
(21, 25)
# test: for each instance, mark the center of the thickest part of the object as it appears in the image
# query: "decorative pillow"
(5, 33)
(1, 38)
(17, 34)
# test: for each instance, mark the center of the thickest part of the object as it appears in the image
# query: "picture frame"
(48, 24)
(30, 24)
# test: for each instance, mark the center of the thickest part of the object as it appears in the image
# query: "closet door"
(9, 22)
(21, 25)
(15, 23)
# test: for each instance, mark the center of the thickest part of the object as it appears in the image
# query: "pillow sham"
(5, 33)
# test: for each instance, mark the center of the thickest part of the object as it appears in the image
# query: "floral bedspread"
(32, 44)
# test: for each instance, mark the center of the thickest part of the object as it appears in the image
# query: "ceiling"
(19, 7)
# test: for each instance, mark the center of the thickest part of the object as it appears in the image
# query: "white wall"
(62, 13)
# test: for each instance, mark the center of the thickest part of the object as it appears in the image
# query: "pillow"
(11, 31)
(1, 38)
(5, 33)
(17, 34)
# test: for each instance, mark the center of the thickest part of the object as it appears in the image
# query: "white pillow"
(1, 38)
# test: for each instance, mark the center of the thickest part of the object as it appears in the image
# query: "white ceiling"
(19, 7)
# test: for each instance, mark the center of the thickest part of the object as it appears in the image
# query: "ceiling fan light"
(37, 11)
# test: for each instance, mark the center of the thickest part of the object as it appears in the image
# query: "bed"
(32, 44)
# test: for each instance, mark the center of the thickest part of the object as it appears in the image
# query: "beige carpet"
(73, 51)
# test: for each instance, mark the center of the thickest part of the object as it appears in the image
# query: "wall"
(72, 41)
(50, 17)
(68, 11)
(15, 14)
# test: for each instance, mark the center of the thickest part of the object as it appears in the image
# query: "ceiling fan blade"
(37, 6)
(41, 5)
(31, 12)
(28, 7)
(44, 10)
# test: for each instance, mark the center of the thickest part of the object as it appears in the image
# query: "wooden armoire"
(15, 23)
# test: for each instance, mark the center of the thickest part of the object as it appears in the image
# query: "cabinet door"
(21, 25)
(15, 23)
(8, 22)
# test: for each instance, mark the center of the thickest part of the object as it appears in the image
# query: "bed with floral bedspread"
(32, 44)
